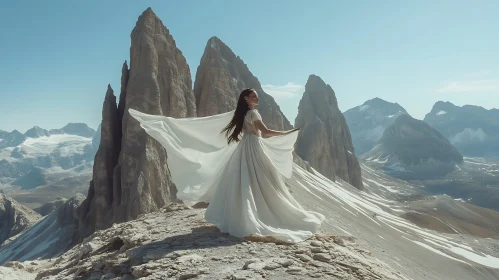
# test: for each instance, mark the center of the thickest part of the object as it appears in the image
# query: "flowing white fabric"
(242, 182)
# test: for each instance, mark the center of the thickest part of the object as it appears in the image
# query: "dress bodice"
(249, 125)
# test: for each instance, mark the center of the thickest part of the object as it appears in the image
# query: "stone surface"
(323, 257)
(316, 243)
(324, 140)
(196, 257)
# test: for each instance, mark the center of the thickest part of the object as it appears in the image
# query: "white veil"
(197, 150)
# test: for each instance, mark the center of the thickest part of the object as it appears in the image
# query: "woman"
(241, 177)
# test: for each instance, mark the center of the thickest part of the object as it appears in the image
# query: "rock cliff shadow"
(200, 237)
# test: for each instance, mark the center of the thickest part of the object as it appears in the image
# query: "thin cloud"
(479, 82)
(288, 91)
(480, 74)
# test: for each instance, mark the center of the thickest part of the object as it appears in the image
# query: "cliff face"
(324, 140)
(220, 78)
(131, 174)
(97, 208)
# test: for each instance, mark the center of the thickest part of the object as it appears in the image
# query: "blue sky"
(57, 57)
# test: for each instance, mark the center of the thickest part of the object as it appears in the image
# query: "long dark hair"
(235, 127)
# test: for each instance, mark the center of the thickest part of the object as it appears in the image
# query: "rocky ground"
(14, 218)
(176, 243)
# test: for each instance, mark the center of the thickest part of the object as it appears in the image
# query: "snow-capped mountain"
(368, 121)
(473, 130)
(56, 160)
(36, 132)
(79, 129)
(12, 139)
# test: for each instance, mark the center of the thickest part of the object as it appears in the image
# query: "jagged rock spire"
(324, 140)
(220, 78)
(131, 175)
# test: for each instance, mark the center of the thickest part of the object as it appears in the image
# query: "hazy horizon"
(56, 66)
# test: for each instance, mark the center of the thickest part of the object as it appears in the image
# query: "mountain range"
(448, 153)
(40, 165)
(473, 130)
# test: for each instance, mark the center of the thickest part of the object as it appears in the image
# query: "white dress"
(242, 182)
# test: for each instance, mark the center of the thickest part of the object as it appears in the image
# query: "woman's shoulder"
(249, 113)
(254, 114)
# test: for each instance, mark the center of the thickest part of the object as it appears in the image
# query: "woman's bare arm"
(269, 132)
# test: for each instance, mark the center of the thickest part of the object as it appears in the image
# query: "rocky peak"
(427, 142)
(320, 98)
(452, 118)
(412, 149)
(80, 129)
(95, 212)
(443, 105)
(12, 139)
(382, 106)
(15, 217)
(55, 229)
(473, 130)
(324, 139)
(36, 132)
(220, 78)
(50, 206)
(127, 180)
(155, 59)
(125, 72)
(215, 88)
(368, 121)
(67, 212)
